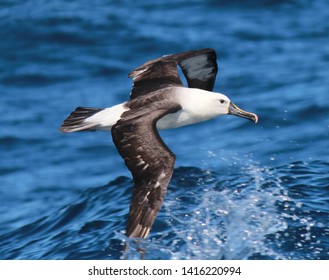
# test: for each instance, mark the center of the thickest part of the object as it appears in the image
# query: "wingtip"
(138, 232)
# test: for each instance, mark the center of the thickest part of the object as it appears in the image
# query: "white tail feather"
(91, 119)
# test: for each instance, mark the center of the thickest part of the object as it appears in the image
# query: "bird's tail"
(77, 120)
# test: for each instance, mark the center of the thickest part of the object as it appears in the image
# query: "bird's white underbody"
(197, 106)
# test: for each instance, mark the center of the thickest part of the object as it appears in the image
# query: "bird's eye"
(222, 101)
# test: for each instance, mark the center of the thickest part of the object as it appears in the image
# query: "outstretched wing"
(148, 158)
(199, 68)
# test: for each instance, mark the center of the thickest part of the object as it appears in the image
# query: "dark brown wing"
(199, 68)
(148, 158)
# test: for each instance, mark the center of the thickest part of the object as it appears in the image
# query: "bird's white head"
(226, 106)
(209, 105)
(201, 105)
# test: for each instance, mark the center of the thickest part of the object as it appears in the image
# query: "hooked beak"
(236, 111)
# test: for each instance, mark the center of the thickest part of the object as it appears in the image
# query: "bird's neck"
(196, 107)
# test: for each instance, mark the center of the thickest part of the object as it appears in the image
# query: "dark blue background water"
(239, 191)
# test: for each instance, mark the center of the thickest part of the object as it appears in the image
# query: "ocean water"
(239, 191)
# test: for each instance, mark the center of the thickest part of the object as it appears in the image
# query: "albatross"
(158, 100)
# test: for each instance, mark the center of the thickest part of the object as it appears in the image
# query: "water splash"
(211, 216)
(231, 218)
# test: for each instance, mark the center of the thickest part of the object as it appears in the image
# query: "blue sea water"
(239, 191)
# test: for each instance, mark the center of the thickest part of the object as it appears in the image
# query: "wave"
(251, 213)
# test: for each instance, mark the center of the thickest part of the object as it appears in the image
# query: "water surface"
(239, 190)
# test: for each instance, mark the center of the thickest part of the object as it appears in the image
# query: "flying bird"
(158, 100)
